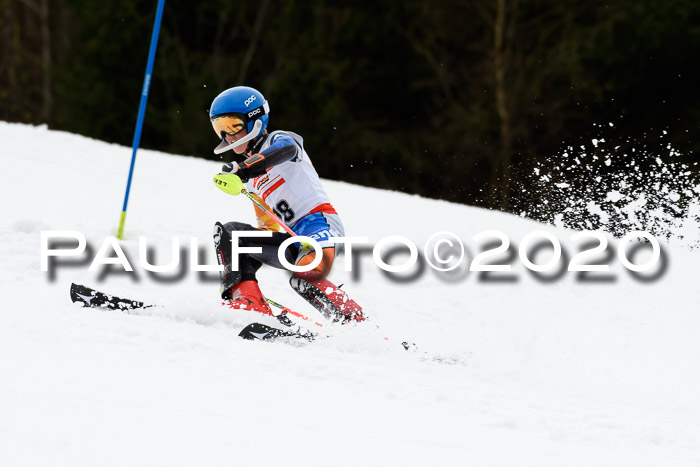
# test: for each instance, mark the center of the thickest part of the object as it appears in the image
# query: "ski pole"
(290, 232)
(305, 246)
(291, 312)
(268, 212)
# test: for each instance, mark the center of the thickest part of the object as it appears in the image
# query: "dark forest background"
(449, 99)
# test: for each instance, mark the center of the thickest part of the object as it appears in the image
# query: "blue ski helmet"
(237, 107)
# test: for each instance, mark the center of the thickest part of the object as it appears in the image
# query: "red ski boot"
(326, 297)
(246, 295)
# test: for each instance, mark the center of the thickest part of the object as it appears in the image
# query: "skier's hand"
(234, 168)
(228, 183)
(229, 168)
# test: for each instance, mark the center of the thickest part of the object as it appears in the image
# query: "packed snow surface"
(508, 368)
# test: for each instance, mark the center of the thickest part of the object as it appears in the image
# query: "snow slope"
(518, 372)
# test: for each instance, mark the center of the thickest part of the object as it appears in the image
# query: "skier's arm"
(284, 149)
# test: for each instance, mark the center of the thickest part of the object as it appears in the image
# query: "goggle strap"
(258, 112)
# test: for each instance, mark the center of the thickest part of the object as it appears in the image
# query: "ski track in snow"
(518, 373)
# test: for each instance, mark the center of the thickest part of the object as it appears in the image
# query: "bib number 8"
(283, 211)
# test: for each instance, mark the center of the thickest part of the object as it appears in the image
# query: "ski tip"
(77, 297)
(94, 299)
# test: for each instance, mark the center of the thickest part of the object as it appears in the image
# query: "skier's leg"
(240, 286)
(326, 297)
(246, 266)
(313, 286)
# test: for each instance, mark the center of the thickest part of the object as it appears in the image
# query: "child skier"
(277, 171)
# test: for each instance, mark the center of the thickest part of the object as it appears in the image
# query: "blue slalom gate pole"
(142, 111)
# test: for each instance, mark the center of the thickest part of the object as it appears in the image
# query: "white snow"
(523, 372)
(596, 210)
(614, 196)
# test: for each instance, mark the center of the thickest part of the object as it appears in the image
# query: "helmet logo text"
(249, 100)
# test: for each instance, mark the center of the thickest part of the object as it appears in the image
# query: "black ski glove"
(234, 168)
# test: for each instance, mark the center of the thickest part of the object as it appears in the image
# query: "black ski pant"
(248, 263)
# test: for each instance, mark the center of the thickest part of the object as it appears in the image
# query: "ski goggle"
(228, 125)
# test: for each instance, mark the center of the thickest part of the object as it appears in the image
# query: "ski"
(95, 299)
(254, 331)
(263, 332)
